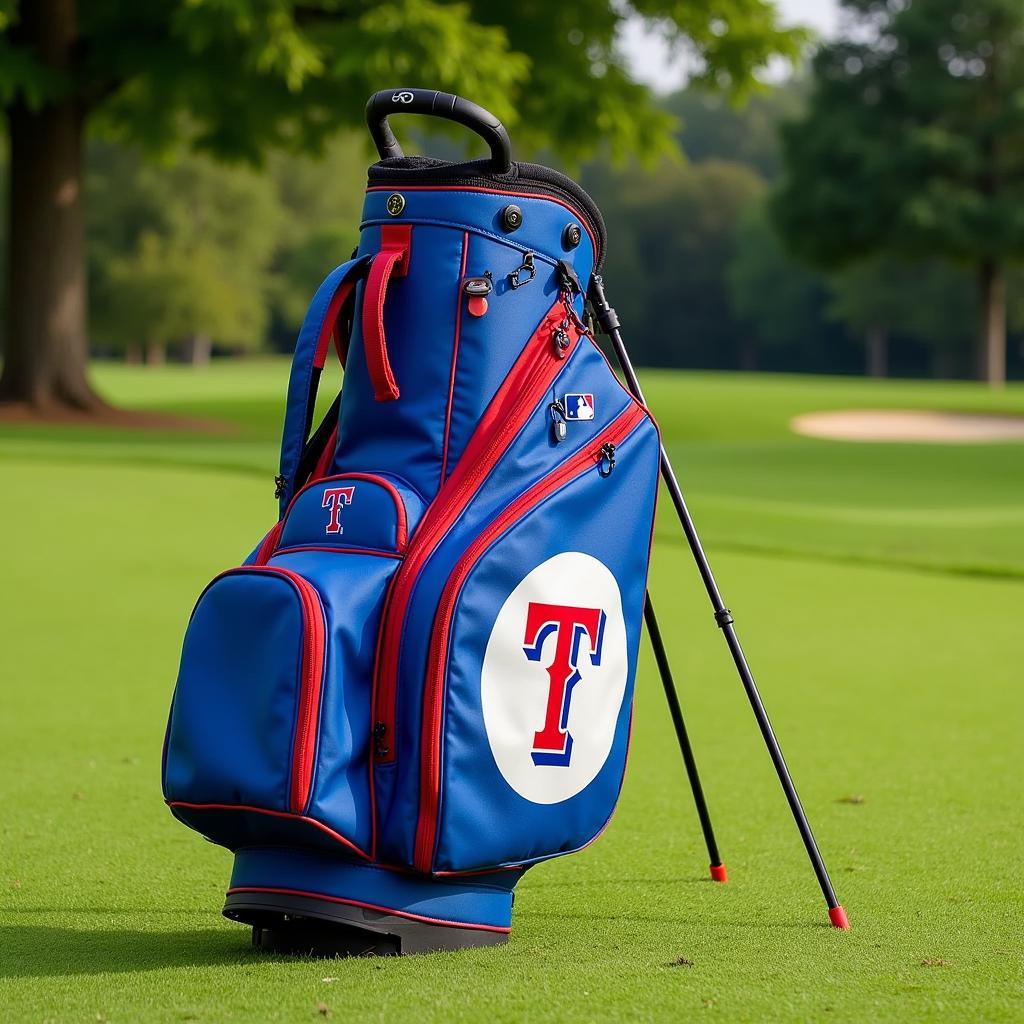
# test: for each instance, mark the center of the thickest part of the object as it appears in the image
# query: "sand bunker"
(909, 426)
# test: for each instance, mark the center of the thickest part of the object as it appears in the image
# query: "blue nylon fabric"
(369, 521)
(407, 436)
(531, 456)
(480, 212)
(352, 589)
(484, 900)
(484, 822)
(233, 719)
(301, 374)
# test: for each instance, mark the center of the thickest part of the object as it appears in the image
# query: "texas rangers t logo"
(334, 499)
(570, 627)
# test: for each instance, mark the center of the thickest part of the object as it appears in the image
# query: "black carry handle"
(435, 104)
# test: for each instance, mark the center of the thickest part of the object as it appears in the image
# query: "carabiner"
(515, 279)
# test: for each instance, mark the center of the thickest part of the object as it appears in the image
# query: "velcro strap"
(391, 261)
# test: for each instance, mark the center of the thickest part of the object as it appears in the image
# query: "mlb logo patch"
(579, 407)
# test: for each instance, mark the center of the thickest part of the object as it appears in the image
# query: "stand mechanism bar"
(610, 325)
(718, 872)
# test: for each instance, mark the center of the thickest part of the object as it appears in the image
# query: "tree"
(235, 78)
(913, 146)
(674, 235)
(778, 301)
(712, 127)
(181, 252)
(929, 301)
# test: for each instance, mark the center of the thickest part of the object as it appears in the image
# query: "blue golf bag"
(420, 683)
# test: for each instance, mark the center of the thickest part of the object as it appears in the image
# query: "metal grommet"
(571, 236)
(511, 218)
(395, 203)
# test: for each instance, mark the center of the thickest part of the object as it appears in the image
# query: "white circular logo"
(553, 677)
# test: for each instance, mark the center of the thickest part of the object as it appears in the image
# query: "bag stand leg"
(609, 323)
(718, 872)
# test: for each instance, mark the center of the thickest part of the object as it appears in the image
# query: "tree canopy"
(913, 145)
(237, 78)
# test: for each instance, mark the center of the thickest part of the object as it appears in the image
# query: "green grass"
(878, 590)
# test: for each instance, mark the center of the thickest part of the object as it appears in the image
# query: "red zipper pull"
(478, 288)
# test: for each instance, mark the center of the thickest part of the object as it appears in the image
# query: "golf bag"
(420, 683)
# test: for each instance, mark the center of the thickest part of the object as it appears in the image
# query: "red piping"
(494, 192)
(269, 543)
(401, 518)
(375, 552)
(314, 646)
(371, 906)
(434, 688)
(273, 814)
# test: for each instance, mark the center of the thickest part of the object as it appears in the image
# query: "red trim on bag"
(494, 192)
(585, 459)
(523, 388)
(455, 356)
(324, 462)
(314, 648)
(392, 261)
(273, 814)
(329, 324)
(376, 552)
(269, 543)
(371, 906)
(401, 517)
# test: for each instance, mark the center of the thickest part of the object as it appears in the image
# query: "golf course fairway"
(878, 591)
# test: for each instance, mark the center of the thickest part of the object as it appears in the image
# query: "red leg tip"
(718, 873)
(838, 918)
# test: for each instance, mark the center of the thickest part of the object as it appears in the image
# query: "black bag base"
(294, 925)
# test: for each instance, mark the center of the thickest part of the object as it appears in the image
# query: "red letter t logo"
(334, 499)
(553, 744)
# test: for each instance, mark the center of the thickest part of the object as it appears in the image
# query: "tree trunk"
(992, 329)
(943, 363)
(748, 353)
(46, 339)
(156, 353)
(198, 350)
(877, 342)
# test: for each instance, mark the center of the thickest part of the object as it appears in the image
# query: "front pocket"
(530, 673)
(244, 722)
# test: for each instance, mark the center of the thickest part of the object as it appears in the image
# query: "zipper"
(310, 684)
(524, 388)
(592, 457)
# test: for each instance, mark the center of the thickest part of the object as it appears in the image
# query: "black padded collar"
(523, 177)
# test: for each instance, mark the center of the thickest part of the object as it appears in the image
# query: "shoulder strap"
(310, 355)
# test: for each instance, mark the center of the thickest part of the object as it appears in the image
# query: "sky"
(652, 63)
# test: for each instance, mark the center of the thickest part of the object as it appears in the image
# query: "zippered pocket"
(524, 388)
(243, 726)
(513, 769)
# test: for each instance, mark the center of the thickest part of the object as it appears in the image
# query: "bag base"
(308, 903)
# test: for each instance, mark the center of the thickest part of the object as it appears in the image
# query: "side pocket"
(246, 707)
(269, 735)
(528, 696)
